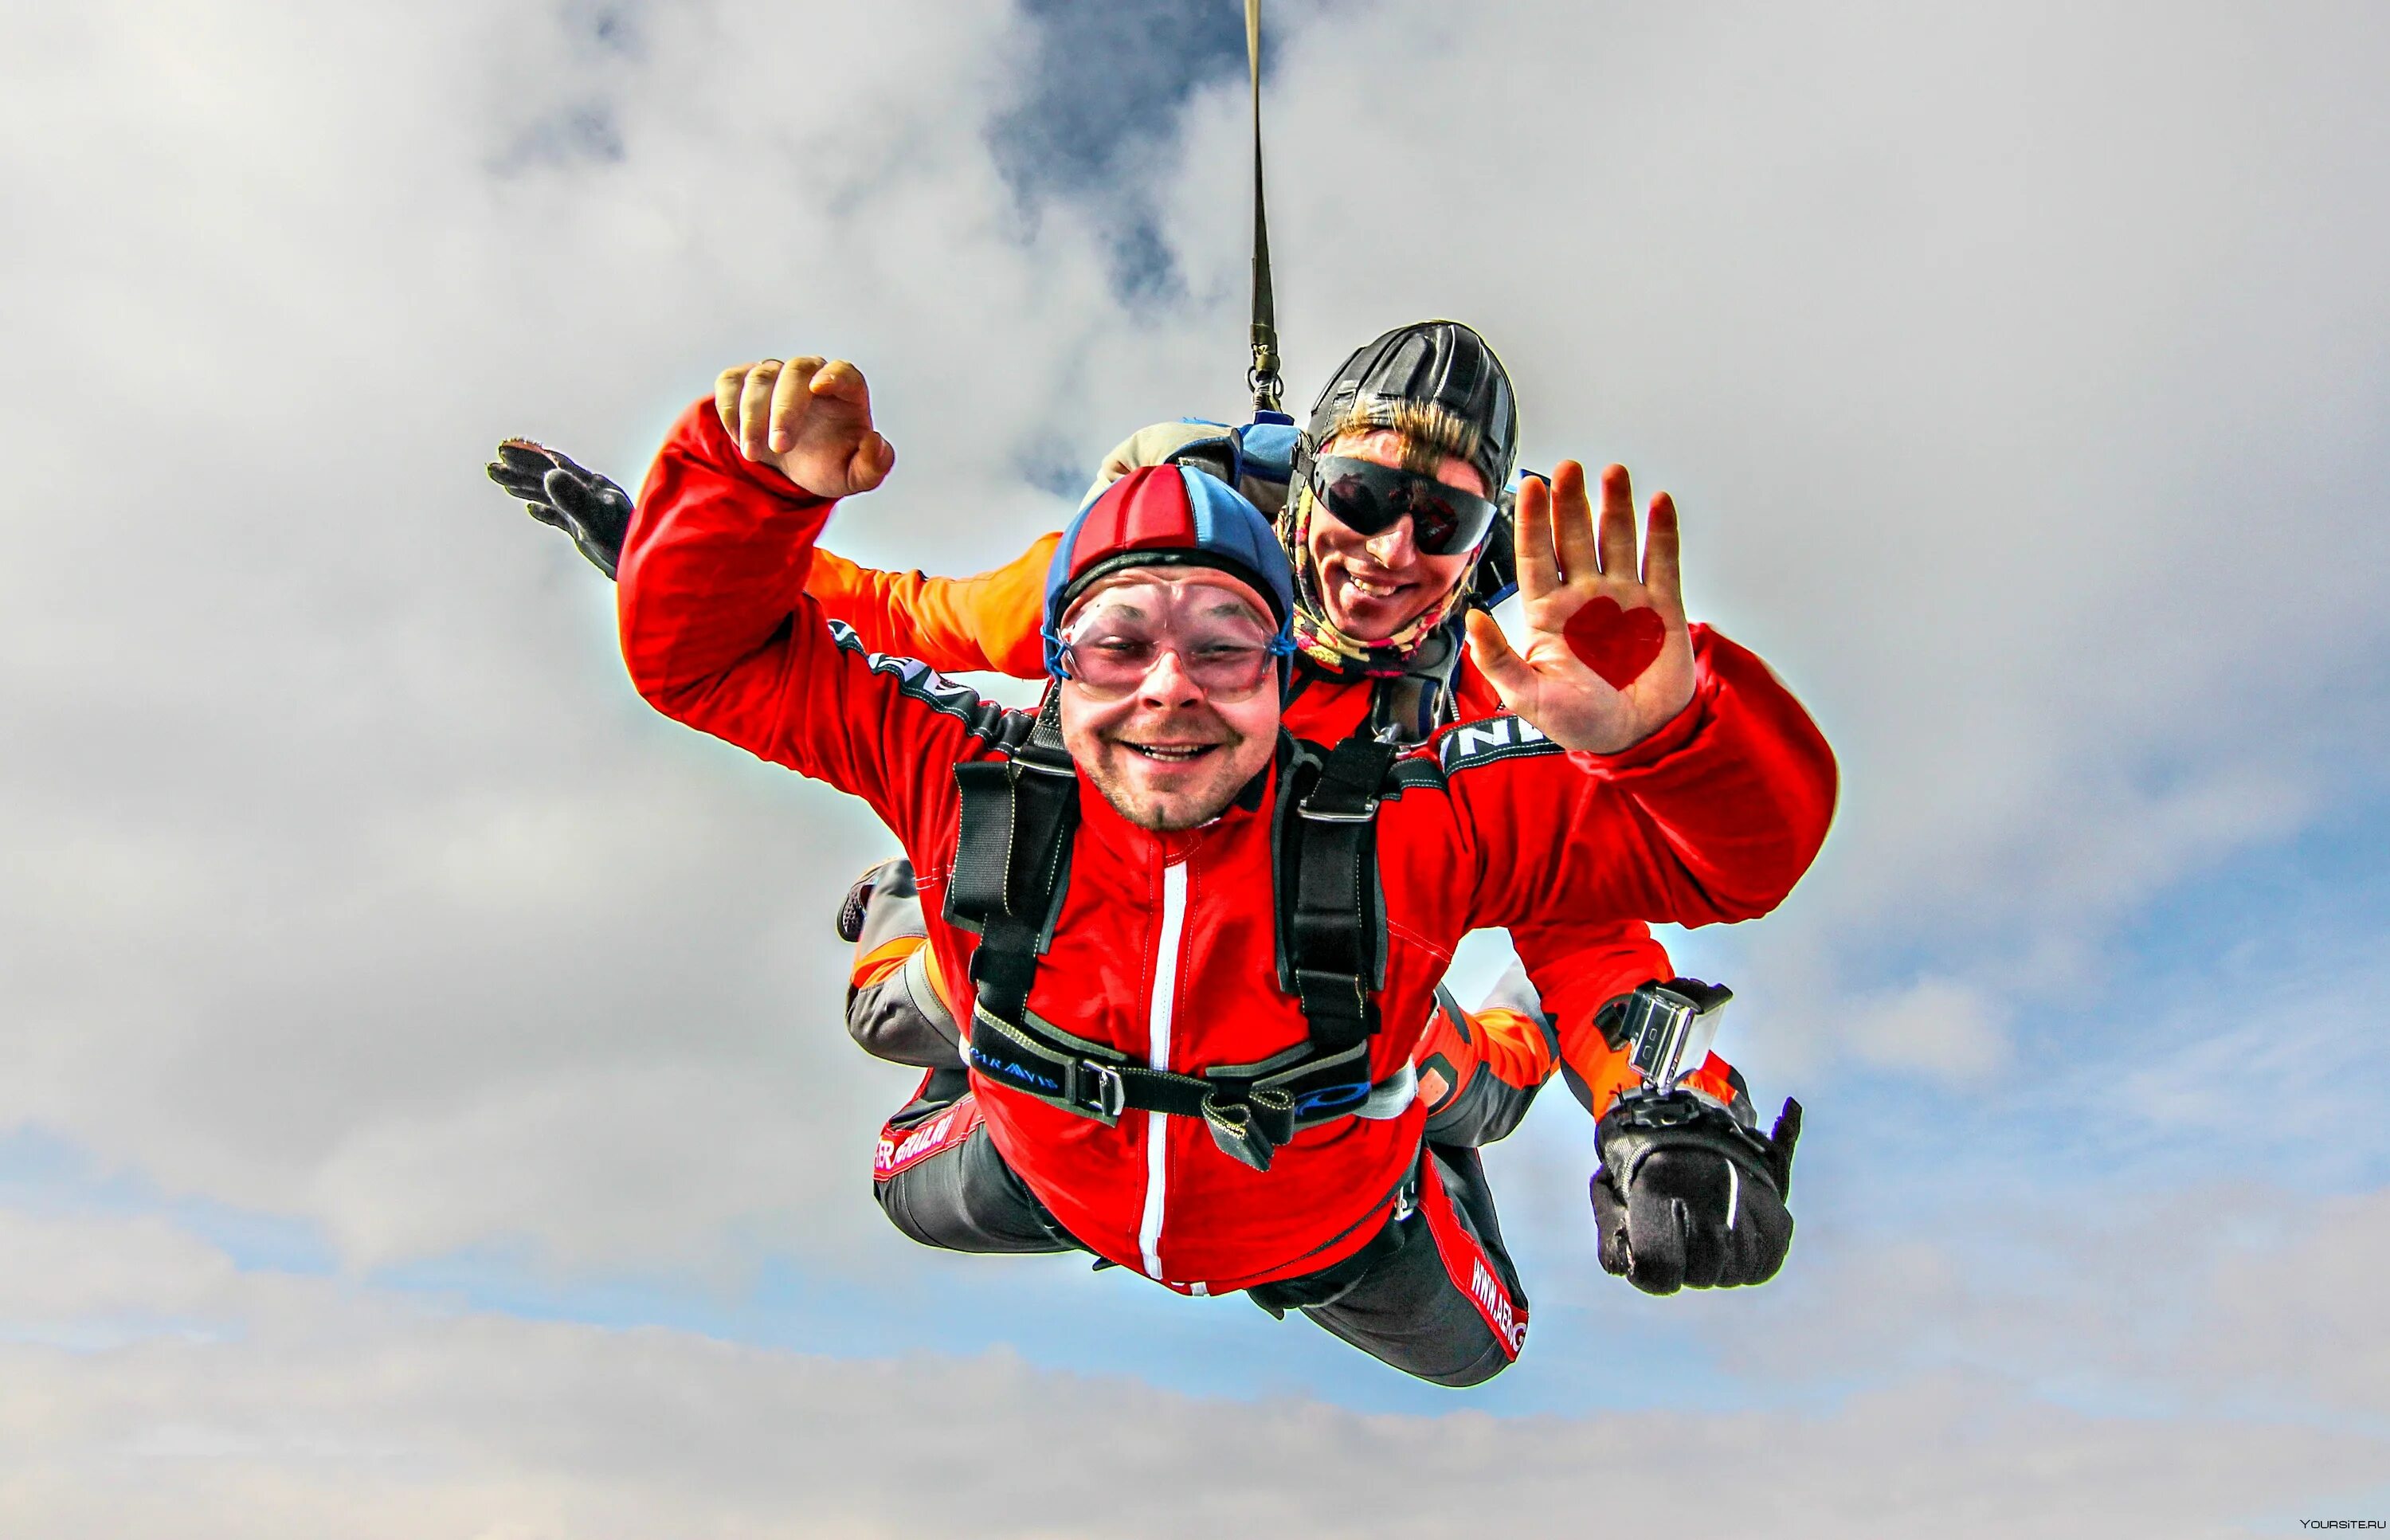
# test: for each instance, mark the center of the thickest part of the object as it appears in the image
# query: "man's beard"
(1175, 809)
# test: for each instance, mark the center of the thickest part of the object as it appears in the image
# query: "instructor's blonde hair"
(1428, 432)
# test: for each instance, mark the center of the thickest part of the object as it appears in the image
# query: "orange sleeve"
(956, 625)
(1606, 1071)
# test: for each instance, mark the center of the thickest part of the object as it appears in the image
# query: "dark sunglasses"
(1368, 498)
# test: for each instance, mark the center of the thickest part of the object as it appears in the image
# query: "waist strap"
(1249, 1109)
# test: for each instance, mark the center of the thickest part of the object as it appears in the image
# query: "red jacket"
(1712, 818)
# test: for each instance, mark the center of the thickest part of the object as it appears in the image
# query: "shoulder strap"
(1332, 912)
(1012, 857)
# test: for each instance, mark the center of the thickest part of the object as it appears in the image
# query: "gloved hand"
(1686, 1196)
(588, 506)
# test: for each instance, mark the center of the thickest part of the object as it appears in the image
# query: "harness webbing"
(1017, 816)
(1011, 863)
(1269, 390)
(1331, 926)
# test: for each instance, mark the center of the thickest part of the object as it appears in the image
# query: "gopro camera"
(1669, 1027)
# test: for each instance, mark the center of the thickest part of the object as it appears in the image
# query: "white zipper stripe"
(1157, 1056)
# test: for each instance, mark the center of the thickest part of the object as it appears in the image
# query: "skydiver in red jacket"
(1378, 620)
(1146, 1084)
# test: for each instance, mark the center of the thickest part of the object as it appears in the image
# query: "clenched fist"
(810, 417)
(1688, 1198)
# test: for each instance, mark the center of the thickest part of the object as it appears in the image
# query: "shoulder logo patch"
(1499, 737)
(986, 718)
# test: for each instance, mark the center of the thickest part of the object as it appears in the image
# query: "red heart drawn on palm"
(1618, 644)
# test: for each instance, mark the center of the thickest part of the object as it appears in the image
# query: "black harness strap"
(1012, 857)
(1332, 918)
(1249, 1109)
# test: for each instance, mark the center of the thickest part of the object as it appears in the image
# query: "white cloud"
(1935, 1026)
(348, 880)
(331, 1410)
(2300, 1314)
(71, 1271)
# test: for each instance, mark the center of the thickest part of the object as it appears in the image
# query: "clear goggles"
(1221, 644)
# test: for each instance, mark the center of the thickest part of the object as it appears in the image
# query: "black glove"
(588, 506)
(1685, 1195)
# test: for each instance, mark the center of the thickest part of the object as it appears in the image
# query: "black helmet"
(1433, 363)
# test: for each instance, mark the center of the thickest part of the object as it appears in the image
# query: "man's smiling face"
(1170, 750)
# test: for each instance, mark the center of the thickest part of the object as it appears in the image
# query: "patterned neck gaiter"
(1316, 637)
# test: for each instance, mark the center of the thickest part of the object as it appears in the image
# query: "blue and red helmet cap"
(1168, 516)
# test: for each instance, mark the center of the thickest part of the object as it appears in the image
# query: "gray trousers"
(1434, 1294)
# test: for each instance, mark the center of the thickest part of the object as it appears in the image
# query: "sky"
(423, 1106)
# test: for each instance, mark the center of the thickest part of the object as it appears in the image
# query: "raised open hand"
(1608, 660)
(810, 417)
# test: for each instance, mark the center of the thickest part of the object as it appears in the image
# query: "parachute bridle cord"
(1262, 378)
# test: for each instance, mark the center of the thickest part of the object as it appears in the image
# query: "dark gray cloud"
(1095, 105)
(1106, 83)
